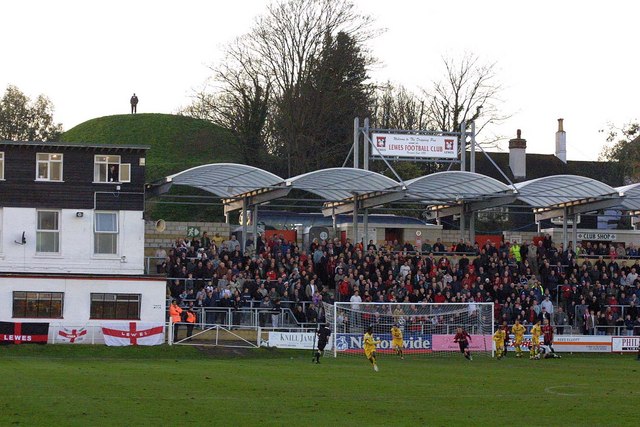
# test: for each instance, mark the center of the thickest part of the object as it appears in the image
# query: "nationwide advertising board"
(422, 146)
(413, 342)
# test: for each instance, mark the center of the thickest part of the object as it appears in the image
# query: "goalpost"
(427, 328)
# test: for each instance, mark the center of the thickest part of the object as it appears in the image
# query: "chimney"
(518, 156)
(561, 142)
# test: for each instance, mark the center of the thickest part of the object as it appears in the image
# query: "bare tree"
(262, 89)
(398, 108)
(468, 92)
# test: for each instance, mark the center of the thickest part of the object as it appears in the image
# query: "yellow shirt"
(536, 332)
(396, 333)
(498, 337)
(518, 330)
(369, 343)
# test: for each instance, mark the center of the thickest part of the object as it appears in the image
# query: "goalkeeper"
(498, 338)
(397, 342)
(518, 336)
(370, 347)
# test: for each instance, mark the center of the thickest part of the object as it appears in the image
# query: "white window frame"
(101, 176)
(52, 158)
(1, 165)
(97, 233)
(55, 231)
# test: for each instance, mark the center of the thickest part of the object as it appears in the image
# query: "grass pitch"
(94, 385)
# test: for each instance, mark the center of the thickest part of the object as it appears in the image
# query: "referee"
(323, 337)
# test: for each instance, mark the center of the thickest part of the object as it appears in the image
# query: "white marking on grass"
(552, 390)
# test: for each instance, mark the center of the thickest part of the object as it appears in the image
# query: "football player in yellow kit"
(370, 347)
(518, 336)
(396, 340)
(498, 338)
(536, 331)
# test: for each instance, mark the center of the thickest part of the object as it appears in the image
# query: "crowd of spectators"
(593, 289)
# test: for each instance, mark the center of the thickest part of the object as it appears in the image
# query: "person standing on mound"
(370, 347)
(134, 104)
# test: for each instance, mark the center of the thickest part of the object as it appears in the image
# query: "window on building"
(41, 305)
(1, 166)
(115, 306)
(48, 232)
(109, 169)
(49, 167)
(105, 234)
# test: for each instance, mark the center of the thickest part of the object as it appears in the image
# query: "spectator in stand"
(560, 319)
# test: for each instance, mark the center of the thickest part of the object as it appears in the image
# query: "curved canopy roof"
(559, 190)
(226, 180)
(631, 201)
(336, 184)
(456, 186)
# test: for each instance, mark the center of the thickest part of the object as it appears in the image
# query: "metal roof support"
(255, 197)
(365, 201)
(245, 205)
(462, 222)
(355, 219)
(254, 224)
(564, 229)
(365, 225)
(472, 226)
(574, 233)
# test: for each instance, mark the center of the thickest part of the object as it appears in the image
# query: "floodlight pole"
(472, 168)
(463, 167)
(356, 142)
(365, 162)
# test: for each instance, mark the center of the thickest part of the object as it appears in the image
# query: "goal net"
(427, 329)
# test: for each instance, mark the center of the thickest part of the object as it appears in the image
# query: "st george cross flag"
(72, 335)
(24, 333)
(133, 333)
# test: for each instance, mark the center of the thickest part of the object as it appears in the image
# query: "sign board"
(582, 343)
(625, 344)
(405, 145)
(193, 231)
(297, 340)
(609, 237)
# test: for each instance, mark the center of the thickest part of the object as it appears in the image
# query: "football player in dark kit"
(323, 338)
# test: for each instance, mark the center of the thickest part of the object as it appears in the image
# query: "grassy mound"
(177, 142)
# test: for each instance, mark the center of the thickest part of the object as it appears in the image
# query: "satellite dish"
(161, 225)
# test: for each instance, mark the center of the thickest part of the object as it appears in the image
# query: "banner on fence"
(72, 335)
(297, 340)
(133, 333)
(582, 344)
(412, 342)
(625, 344)
(477, 343)
(23, 333)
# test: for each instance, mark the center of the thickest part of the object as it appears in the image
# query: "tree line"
(290, 88)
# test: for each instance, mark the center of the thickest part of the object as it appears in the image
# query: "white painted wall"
(77, 296)
(76, 244)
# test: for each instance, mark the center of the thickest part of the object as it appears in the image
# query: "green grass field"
(95, 385)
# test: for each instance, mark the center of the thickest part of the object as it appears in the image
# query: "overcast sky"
(575, 60)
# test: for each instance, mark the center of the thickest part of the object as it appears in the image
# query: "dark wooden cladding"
(77, 190)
